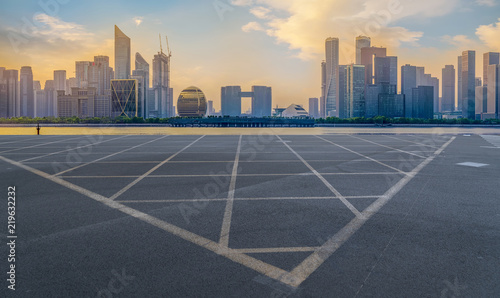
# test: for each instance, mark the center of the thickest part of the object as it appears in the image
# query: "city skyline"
(229, 31)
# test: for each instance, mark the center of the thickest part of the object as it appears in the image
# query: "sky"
(215, 43)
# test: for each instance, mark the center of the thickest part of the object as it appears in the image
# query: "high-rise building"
(423, 102)
(141, 64)
(355, 91)
(481, 105)
(100, 74)
(367, 59)
(332, 76)
(459, 84)
(210, 108)
(124, 98)
(371, 100)
(51, 98)
(70, 84)
(314, 107)
(493, 101)
(448, 85)
(141, 93)
(161, 86)
(26, 92)
(142, 70)
(434, 82)
(322, 99)
(122, 55)
(60, 80)
(11, 78)
(262, 101)
(478, 82)
(79, 103)
(386, 70)
(421, 80)
(82, 73)
(490, 58)
(3, 99)
(408, 82)
(361, 42)
(231, 101)
(468, 84)
(342, 103)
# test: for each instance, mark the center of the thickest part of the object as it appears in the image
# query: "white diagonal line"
(43, 144)
(403, 140)
(121, 191)
(309, 265)
(28, 138)
(362, 155)
(70, 149)
(228, 213)
(108, 156)
(274, 250)
(243, 259)
(402, 151)
(332, 189)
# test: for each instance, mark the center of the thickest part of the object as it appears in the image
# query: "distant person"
(38, 128)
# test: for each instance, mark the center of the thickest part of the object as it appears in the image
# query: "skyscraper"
(342, 103)
(11, 78)
(4, 107)
(161, 85)
(27, 95)
(122, 55)
(60, 80)
(386, 70)
(100, 74)
(124, 98)
(81, 73)
(314, 107)
(434, 82)
(262, 101)
(231, 101)
(468, 84)
(421, 80)
(361, 42)
(459, 84)
(355, 91)
(490, 58)
(481, 105)
(322, 99)
(448, 85)
(367, 59)
(142, 70)
(408, 82)
(493, 101)
(332, 77)
(423, 102)
(50, 97)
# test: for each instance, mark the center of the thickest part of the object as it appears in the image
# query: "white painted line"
(311, 263)
(402, 151)
(364, 156)
(43, 144)
(228, 213)
(108, 156)
(403, 140)
(245, 199)
(121, 191)
(493, 140)
(332, 189)
(28, 138)
(274, 250)
(76, 148)
(473, 164)
(240, 258)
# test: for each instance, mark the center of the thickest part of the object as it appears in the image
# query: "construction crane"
(161, 48)
(169, 54)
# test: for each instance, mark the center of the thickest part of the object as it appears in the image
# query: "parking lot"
(255, 215)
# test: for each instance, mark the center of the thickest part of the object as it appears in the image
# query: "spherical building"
(192, 103)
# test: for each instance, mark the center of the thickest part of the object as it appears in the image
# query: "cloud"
(304, 24)
(489, 35)
(242, 2)
(252, 26)
(486, 2)
(261, 12)
(138, 20)
(460, 41)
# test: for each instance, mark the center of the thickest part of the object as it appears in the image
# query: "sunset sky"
(278, 43)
